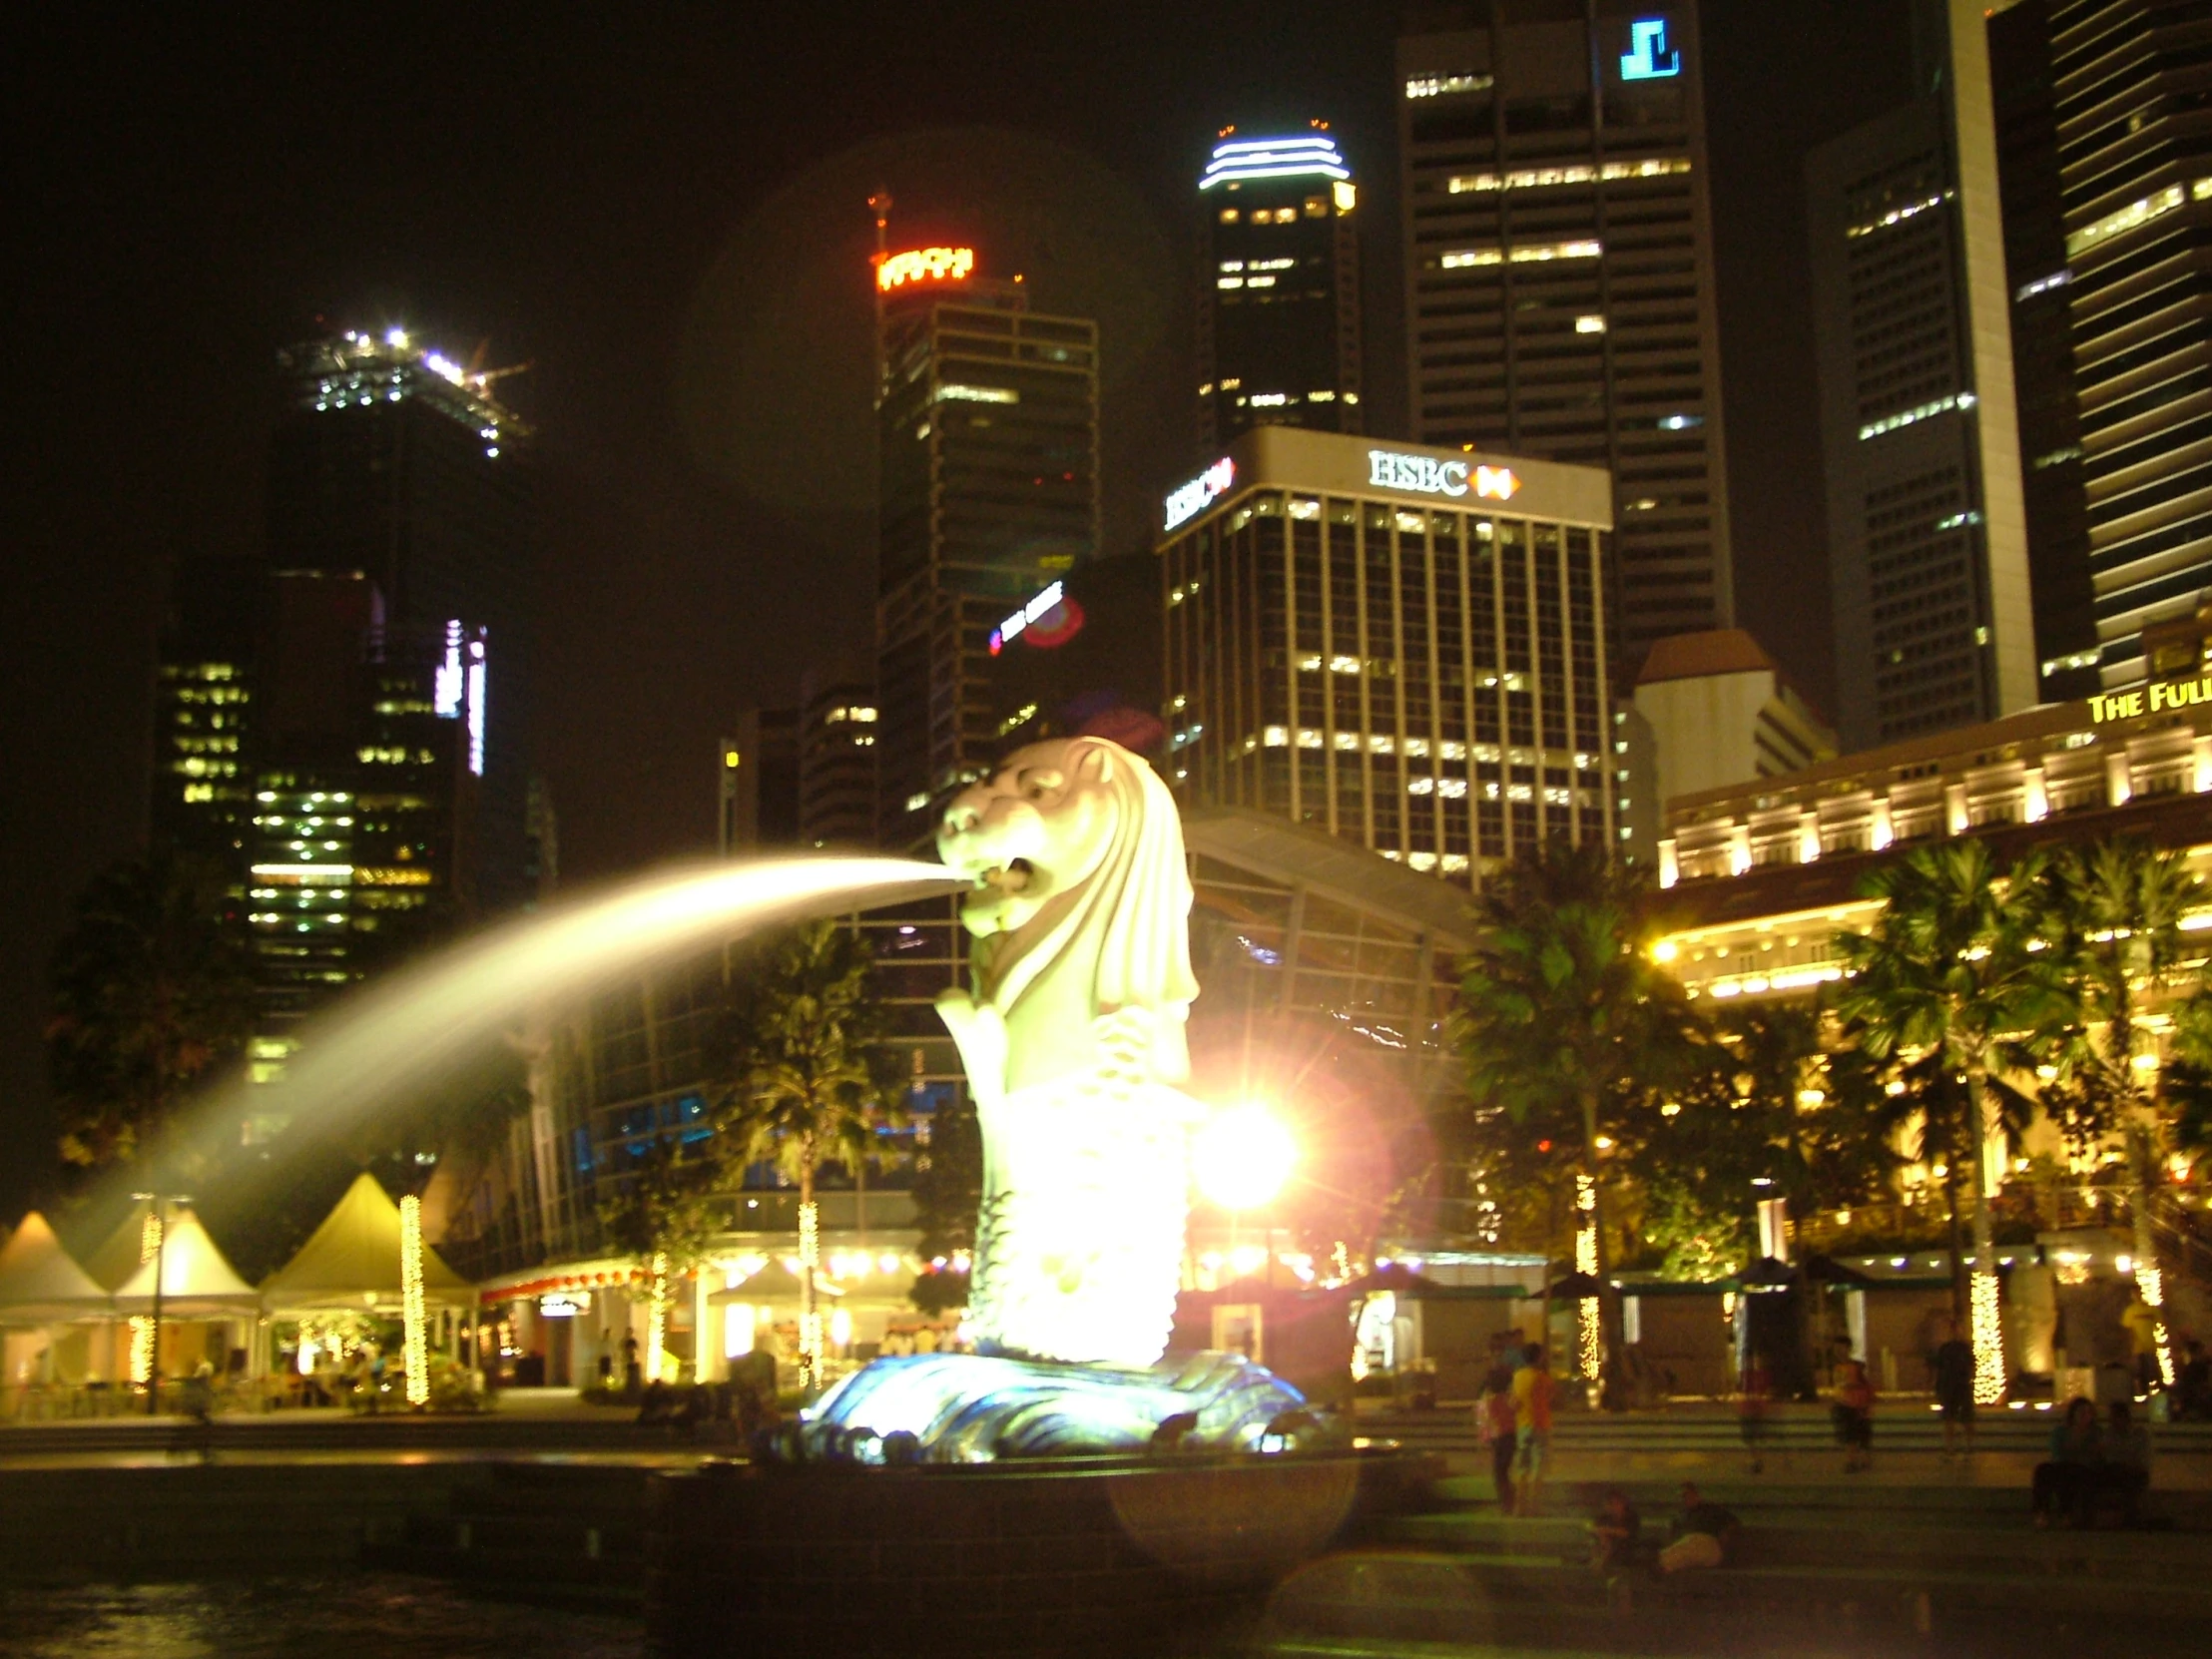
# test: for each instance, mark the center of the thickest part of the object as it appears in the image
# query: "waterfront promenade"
(546, 1500)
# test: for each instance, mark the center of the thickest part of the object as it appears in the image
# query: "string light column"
(656, 1328)
(810, 1317)
(410, 1301)
(1589, 1340)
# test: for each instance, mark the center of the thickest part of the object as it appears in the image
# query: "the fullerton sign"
(1428, 475)
(2155, 698)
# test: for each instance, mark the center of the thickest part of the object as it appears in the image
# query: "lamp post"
(159, 1203)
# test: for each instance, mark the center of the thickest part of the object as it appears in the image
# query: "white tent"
(40, 1284)
(352, 1261)
(197, 1283)
(115, 1257)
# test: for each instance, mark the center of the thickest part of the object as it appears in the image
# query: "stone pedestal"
(1061, 1557)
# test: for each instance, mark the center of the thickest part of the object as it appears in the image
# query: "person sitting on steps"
(2063, 1480)
(1616, 1532)
(1704, 1535)
(2123, 1465)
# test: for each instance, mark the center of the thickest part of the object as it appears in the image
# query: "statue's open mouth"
(1010, 877)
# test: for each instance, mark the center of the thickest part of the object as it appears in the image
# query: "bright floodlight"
(1243, 1156)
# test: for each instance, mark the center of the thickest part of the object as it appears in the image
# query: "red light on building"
(925, 265)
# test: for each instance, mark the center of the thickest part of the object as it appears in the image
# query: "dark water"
(373, 1615)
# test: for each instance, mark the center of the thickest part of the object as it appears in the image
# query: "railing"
(842, 1211)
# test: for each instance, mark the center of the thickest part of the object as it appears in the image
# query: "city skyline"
(669, 537)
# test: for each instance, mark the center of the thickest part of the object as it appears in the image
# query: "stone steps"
(2149, 1559)
(1393, 1597)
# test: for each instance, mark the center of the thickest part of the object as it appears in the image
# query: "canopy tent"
(197, 1283)
(775, 1283)
(353, 1260)
(118, 1254)
(40, 1284)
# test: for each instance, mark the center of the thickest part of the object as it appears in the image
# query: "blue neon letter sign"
(1648, 57)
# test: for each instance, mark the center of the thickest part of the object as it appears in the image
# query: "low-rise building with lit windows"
(1405, 646)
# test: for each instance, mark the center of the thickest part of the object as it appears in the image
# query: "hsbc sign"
(1393, 470)
(1210, 485)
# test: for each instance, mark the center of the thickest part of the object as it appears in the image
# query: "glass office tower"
(1278, 287)
(1402, 646)
(1559, 272)
(988, 425)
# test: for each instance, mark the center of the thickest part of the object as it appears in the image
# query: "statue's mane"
(1128, 922)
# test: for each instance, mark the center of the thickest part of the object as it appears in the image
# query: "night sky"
(663, 211)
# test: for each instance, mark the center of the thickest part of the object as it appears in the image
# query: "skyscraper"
(1559, 272)
(2025, 106)
(837, 720)
(1927, 534)
(1402, 647)
(1278, 288)
(988, 427)
(397, 463)
(2137, 189)
(327, 726)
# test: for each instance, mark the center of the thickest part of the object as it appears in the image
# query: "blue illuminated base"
(977, 1409)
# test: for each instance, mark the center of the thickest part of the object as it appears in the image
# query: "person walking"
(1852, 1414)
(1753, 1396)
(2192, 1401)
(1951, 1370)
(1494, 1421)
(1531, 1428)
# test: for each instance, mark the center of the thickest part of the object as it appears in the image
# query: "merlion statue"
(1072, 1036)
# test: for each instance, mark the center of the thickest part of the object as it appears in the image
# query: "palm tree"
(801, 1083)
(1953, 967)
(2115, 910)
(1563, 1021)
(151, 994)
(662, 1217)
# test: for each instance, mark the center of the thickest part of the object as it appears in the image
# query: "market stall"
(51, 1314)
(340, 1305)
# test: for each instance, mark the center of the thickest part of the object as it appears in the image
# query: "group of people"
(1701, 1534)
(1513, 1416)
(2092, 1462)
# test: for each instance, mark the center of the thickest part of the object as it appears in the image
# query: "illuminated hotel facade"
(987, 421)
(1278, 287)
(1404, 647)
(1762, 875)
(1559, 273)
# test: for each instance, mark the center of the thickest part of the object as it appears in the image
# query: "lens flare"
(1243, 1156)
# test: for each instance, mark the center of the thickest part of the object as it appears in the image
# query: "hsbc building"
(1405, 646)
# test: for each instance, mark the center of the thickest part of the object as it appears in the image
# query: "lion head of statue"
(1076, 852)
